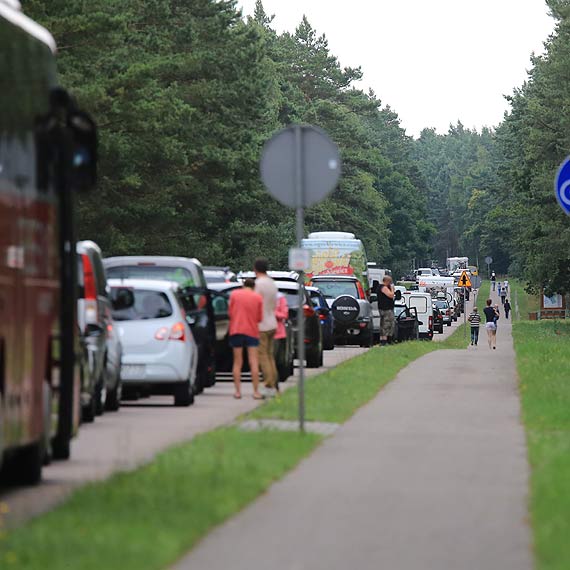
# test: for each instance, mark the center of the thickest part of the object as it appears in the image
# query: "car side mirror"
(93, 330)
(374, 297)
(398, 295)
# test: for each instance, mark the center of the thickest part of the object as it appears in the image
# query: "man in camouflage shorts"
(385, 294)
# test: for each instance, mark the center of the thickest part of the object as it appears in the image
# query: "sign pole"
(464, 316)
(300, 215)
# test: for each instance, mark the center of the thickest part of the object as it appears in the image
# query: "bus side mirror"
(83, 167)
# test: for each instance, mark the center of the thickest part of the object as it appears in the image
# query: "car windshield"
(398, 310)
(147, 305)
(219, 278)
(292, 296)
(441, 304)
(333, 289)
(161, 272)
(315, 298)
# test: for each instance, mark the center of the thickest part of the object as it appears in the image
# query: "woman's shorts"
(243, 340)
(491, 326)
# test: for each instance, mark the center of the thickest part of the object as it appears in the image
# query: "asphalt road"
(134, 435)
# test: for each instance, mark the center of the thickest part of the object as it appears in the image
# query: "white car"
(160, 355)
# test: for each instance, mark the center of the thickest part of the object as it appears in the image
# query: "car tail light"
(161, 333)
(110, 330)
(447, 313)
(308, 311)
(322, 317)
(89, 291)
(178, 332)
(430, 322)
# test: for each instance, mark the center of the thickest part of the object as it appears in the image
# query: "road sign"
(300, 166)
(476, 281)
(464, 280)
(562, 186)
(488, 260)
(299, 259)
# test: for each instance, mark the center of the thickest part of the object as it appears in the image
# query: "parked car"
(422, 302)
(188, 273)
(352, 312)
(325, 316)
(160, 353)
(284, 348)
(443, 307)
(103, 346)
(313, 328)
(219, 275)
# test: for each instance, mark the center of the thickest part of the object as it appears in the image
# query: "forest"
(186, 93)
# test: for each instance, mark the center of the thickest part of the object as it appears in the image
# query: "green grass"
(335, 395)
(543, 362)
(148, 518)
(527, 303)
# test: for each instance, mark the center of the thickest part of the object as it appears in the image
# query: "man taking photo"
(385, 293)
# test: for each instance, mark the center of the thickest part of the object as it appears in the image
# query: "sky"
(433, 61)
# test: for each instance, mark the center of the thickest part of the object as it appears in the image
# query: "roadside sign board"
(299, 259)
(562, 186)
(300, 166)
(488, 260)
(476, 281)
(464, 280)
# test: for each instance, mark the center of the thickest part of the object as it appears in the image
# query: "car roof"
(159, 260)
(334, 278)
(293, 285)
(220, 287)
(152, 284)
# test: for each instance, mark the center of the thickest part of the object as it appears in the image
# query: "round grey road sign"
(488, 260)
(300, 166)
(476, 281)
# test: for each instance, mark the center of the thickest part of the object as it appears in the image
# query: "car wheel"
(113, 400)
(25, 466)
(183, 394)
(60, 448)
(100, 396)
(314, 358)
(449, 324)
(88, 412)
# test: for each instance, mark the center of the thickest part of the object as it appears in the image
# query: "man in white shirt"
(266, 287)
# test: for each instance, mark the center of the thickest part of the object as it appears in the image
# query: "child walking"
(475, 321)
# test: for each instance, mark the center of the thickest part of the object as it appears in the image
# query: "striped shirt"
(474, 319)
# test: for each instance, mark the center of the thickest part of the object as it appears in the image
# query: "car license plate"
(132, 371)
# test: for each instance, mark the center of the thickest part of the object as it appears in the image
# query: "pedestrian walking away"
(266, 287)
(507, 307)
(491, 324)
(506, 286)
(499, 286)
(385, 294)
(281, 314)
(474, 320)
(503, 295)
(493, 280)
(246, 312)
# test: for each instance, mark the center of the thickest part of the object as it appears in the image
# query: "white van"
(422, 302)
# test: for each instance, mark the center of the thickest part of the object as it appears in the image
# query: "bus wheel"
(25, 467)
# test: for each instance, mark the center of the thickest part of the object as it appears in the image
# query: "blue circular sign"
(562, 186)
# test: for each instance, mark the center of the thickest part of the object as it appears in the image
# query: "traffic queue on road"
(80, 333)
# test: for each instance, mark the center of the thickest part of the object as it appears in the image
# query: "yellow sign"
(464, 280)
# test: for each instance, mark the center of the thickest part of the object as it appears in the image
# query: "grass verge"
(146, 519)
(543, 361)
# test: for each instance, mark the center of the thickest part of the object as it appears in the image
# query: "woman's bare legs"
(490, 337)
(236, 370)
(494, 339)
(253, 358)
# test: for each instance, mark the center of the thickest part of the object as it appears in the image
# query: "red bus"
(46, 152)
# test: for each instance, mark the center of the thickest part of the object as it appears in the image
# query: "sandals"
(258, 397)
(237, 396)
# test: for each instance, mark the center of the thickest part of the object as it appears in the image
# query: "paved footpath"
(431, 475)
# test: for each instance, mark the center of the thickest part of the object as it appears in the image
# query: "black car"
(313, 328)
(284, 348)
(437, 319)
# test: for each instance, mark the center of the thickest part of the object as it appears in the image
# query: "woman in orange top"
(246, 312)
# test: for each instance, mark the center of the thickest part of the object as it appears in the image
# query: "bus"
(337, 253)
(47, 150)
